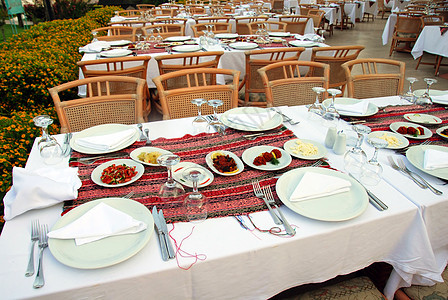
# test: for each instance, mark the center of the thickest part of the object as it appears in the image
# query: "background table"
(432, 41)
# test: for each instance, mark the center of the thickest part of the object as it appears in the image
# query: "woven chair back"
(115, 33)
(241, 24)
(270, 26)
(432, 20)
(216, 27)
(166, 30)
(295, 23)
(128, 13)
(318, 17)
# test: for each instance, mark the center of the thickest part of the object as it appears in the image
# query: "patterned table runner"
(227, 195)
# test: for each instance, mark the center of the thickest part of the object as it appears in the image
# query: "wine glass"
(355, 158)
(425, 98)
(195, 203)
(95, 39)
(331, 114)
(199, 123)
(372, 170)
(215, 123)
(409, 95)
(151, 38)
(159, 37)
(49, 148)
(171, 188)
(316, 107)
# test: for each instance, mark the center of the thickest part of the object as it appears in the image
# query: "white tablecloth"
(389, 28)
(432, 41)
(371, 7)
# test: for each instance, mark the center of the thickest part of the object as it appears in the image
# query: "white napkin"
(357, 108)
(250, 120)
(435, 159)
(95, 47)
(106, 142)
(40, 188)
(99, 222)
(441, 98)
(117, 19)
(315, 185)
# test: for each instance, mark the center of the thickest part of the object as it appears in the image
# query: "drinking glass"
(355, 158)
(372, 170)
(171, 188)
(409, 95)
(425, 98)
(331, 114)
(159, 37)
(199, 123)
(49, 148)
(316, 107)
(215, 124)
(151, 38)
(95, 39)
(195, 203)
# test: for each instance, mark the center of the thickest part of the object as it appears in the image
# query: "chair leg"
(439, 62)
(419, 60)
(392, 46)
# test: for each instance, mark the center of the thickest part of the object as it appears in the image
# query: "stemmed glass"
(331, 114)
(95, 39)
(170, 188)
(151, 38)
(316, 107)
(409, 95)
(159, 37)
(139, 44)
(425, 98)
(199, 123)
(49, 148)
(215, 123)
(355, 158)
(195, 202)
(372, 170)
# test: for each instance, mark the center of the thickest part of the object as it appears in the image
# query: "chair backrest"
(128, 13)
(416, 8)
(76, 114)
(241, 24)
(166, 30)
(164, 12)
(305, 8)
(169, 21)
(212, 19)
(277, 5)
(145, 6)
(176, 103)
(374, 77)
(216, 27)
(270, 26)
(295, 23)
(432, 20)
(407, 24)
(130, 23)
(114, 33)
(295, 87)
(335, 57)
(317, 16)
(195, 9)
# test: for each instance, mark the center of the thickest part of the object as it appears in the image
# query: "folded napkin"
(441, 98)
(106, 142)
(435, 159)
(99, 222)
(95, 47)
(356, 108)
(40, 188)
(315, 185)
(117, 19)
(250, 120)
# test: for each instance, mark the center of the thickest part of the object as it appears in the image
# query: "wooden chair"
(195, 9)
(216, 27)
(374, 77)
(420, 292)
(335, 57)
(128, 13)
(295, 23)
(212, 19)
(163, 12)
(416, 8)
(241, 24)
(176, 103)
(293, 88)
(102, 108)
(345, 20)
(319, 20)
(270, 26)
(130, 23)
(305, 8)
(252, 82)
(136, 66)
(431, 20)
(145, 6)
(406, 30)
(115, 33)
(169, 6)
(169, 21)
(167, 30)
(382, 9)
(277, 6)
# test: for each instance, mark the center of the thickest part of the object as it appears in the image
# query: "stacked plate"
(243, 45)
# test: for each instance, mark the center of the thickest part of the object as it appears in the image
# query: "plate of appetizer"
(411, 130)
(224, 163)
(266, 158)
(117, 173)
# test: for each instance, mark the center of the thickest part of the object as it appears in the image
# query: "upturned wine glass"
(199, 122)
(372, 170)
(355, 158)
(95, 38)
(215, 124)
(195, 203)
(171, 188)
(316, 107)
(331, 114)
(49, 148)
(426, 98)
(159, 37)
(409, 95)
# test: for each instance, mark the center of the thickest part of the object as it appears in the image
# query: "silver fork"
(129, 195)
(402, 165)
(317, 163)
(285, 117)
(396, 167)
(270, 198)
(259, 193)
(403, 150)
(43, 243)
(34, 238)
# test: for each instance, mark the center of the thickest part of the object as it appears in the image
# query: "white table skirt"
(389, 28)
(432, 41)
(371, 7)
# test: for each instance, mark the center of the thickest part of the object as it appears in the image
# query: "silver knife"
(171, 253)
(111, 155)
(162, 243)
(374, 200)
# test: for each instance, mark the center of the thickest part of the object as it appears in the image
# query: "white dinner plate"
(134, 154)
(226, 35)
(115, 53)
(274, 122)
(401, 140)
(239, 163)
(108, 251)
(422, 118)
(321, 150)
(338, 207)
(243, 45)
(183, 165)
(250, 154)
(187, 48)
(279, 34)
(420, 92)
(119, 43)
(178, 38)
(297, 43)
(103, 130)
(439, 132)
(416, 154)
(96, 173)
(427, 133)
(371, 108)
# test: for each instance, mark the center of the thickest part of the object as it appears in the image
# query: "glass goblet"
(159, 37)
(409, 95)
(151, 38)
(171, 188)
(372, 170)
(331, 114)
(316, 107)
(199, 122)
(195, 203)
(49, 148)
(355, 158)
(95, 39)
(215, 123)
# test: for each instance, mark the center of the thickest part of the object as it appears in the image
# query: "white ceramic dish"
(279, 34)
(243, 45)
(180, 168)
(108, 251)
(422, 119)
(96, 173)
(116, 53)
(321, 150)
(432, 93)
(339, 207)
(226, 35)
(239, 163)
(274, 122)
(103, 130)
(134, 154)
(119, 43)
(250, 154)
(427, 133)
(187, 48)
(415, 155)
(371, 108)
(177, 38)
(306, 44)
(403, 142)
(439, 132)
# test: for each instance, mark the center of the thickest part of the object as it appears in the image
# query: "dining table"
(432, 39)
(226, 256)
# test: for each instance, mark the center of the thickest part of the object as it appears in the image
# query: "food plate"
(274, 122)
(427, 133)
(177, 43)
(103, 130)
(177, 38)
(338, 207)
(226, 35)
(96, 173)
(279, 34)
(187, 48)
(243, 45)
(401, 140)
(116, 53)
(321, 150)
(305, 44)
(416, 154)
(422, 118)
(439, 132)
(134, 154)
(239, 163)
(371, 108)
(432, 93)
(119, 43)
(162, 45)
(250, 154)
(180, 168)
(93, 255)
